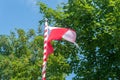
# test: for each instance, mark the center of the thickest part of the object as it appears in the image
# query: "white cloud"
(60, 1)
(50, 3)
(32, 2)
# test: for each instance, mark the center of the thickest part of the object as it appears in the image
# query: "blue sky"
(22, 14)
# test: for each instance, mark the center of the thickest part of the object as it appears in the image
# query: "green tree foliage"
(20, 56)
(97, 23)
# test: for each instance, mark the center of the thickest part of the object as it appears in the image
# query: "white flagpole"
(45, 51)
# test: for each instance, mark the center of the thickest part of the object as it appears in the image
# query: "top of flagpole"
(46, 20)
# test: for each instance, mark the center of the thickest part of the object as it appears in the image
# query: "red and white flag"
(57, 33)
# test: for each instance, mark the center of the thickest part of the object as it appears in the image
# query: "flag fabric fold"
(57, 33)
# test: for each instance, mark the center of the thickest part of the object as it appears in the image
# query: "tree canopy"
(96, 23)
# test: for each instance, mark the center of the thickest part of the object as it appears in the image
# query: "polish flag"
(57, 33)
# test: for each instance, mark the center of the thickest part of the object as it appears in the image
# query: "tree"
(19, 59)
(97, 25)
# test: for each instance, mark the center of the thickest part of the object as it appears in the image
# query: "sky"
(22, 14)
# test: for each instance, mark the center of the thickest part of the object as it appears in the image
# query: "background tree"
(19, 59)
(97, 25)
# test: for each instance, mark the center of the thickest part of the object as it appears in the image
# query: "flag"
(57, 33)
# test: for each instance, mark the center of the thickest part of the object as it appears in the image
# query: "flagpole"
(45, 51)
